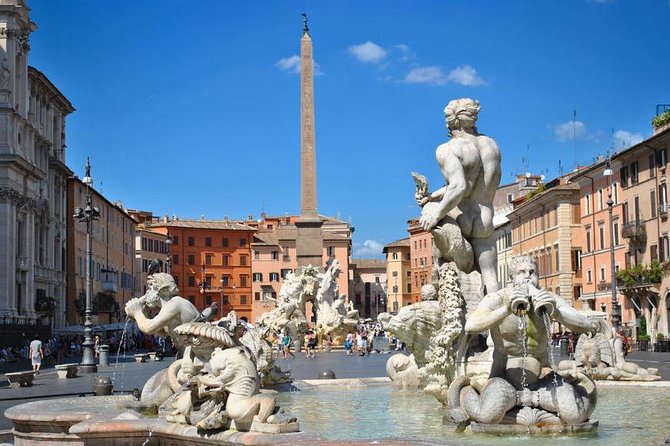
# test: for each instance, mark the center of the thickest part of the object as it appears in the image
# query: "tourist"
(286, 345)
(328, 343)
(36, 354)
(96, 346)
(348, 342)
(362, 343)
(311, 344)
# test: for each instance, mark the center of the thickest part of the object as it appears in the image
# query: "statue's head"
(461, 114)
(523, 270)
(160, 285)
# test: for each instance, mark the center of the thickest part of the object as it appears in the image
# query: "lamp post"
(168, 243)
(87, 215)
(616, 310)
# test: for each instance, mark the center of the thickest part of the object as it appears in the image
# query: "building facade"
(399, 275)
(113, 258)
(32, 183)
(211, 261)
(421, 258)
(368, 283)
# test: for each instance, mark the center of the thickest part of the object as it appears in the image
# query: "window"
(588, 276)
(175, 240)
(623, 174)
(588, 239)
(191, 241)
(601, 235)
(394, 274)
(636, 209)
(191, 299)
(225, 299)
(208, 300)
(243, 281)
(615, 193)
(395, 288)
(395, 256)
(208, 259)
(662, 158)
(257, 277)
(602, 273)
(275, 255)
(577, 260)
(191, 260)
(633, 172)
(191, 280)
(243, 300)
(224, 281)
(226, 260)
(224, 242)
(653, 250)
(175, 259)
(652, 165)
(587, 204)
(409, 274)
(624, 212)
(243, 242)
(510, 198)
(615, 225)
(330, 251)
(208, 241)
(409, 287)
(176, 279)
(652, 200)
(663, 196)
(284, 272)
(257, 296)
(377, 279)
(600, 199)
(243, 260)
(257, 255)
(274, 277)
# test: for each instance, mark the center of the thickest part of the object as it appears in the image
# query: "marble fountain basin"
(333, 412)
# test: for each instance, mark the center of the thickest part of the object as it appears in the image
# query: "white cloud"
(426, 75)
(625, 139)
(570, 129)
(406, 54)
(292, 65)
(368, 249)
(465, 75)
(368, 52)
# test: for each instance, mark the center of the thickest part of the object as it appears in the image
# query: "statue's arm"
(156, 324)
(454, 175)
(571, 318)
(489, 313)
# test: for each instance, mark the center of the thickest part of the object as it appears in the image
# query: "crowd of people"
(59, 349)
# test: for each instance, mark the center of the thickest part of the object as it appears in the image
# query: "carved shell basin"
(202, 335)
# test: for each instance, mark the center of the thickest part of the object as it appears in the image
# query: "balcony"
(604, 286)
(109, 281)
(634, 231)
(663, 210)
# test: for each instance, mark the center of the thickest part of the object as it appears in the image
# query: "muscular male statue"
(470, 164)
(515, 318)
(174, 310)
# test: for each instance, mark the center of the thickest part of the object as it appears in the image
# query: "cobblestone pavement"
(128, 375)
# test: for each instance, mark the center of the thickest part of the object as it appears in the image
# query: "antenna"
(574, 136)
(560, 168)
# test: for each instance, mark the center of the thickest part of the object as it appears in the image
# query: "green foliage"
(660, 337)
(643, 328)
(643, 274)
(661, 119)
(536, 192)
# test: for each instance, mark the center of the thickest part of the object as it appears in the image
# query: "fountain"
(508, 384)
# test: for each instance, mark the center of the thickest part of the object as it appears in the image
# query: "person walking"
(36, 354)
(348, 343)
(286, 345)
(311, 344)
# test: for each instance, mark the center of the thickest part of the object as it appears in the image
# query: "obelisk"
(309, 241)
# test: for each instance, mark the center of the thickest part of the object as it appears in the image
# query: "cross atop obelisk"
(309, 243)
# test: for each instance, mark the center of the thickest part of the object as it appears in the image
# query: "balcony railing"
(635, 231)
(604, 286)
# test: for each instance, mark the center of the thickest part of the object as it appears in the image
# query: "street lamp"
(87, 215)
(168, 242)
(616, 310)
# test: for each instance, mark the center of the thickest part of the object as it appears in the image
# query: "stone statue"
(173, 310)
(5, 74)
(470, 164)
(522, 388)
(600, 356)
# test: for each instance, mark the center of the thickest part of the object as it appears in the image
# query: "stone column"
(309, 242)
(7, 257)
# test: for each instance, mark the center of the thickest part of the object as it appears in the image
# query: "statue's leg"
(487, 259)
(267, 406)
(573, 400)
(498, 396)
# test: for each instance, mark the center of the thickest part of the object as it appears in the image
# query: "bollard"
(102, 385)
(103, 351)
(327, 374)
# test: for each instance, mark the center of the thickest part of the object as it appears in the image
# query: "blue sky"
(192, 107)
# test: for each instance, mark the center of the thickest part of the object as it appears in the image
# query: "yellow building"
(399, 275)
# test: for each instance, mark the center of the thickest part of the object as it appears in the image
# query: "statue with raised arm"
(524, 387)
(463, 207)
